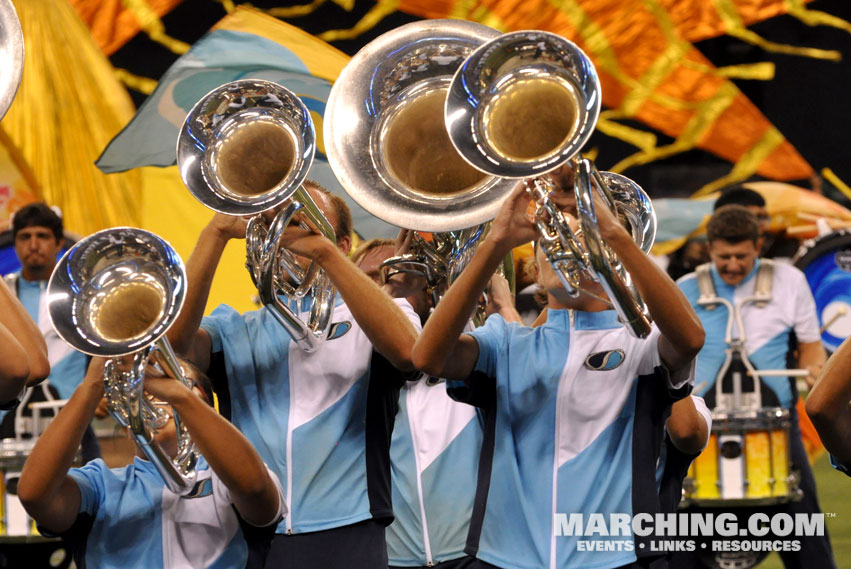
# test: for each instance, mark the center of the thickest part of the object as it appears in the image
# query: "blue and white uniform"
(576, 426)
(434, 457)
(129, 519)
(767, 327)
(319, 420)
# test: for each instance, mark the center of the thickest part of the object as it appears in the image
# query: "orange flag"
(650, 72)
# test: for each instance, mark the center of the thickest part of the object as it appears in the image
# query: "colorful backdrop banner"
(650, 72)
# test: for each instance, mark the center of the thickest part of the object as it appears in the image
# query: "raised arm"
(186, 334)
(827, 404)
(23, 353)
(48, 494)
(442, 350)
(255, 495)
(388, 328)
(682, 333)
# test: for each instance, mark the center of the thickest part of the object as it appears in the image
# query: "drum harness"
(736, 361)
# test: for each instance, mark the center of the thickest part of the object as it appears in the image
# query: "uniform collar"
(721, 285)
(603, 320)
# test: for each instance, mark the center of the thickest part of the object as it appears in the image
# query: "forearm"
(811, 356)
(687, 427)
(231, 457)
(200, 269)
(15, 367)
(827, 404)
(384, 323)
(14, 317)
(667, 305)
(53, 454)
(442, 331)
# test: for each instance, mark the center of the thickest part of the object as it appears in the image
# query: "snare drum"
(746, 462)
(14, 520)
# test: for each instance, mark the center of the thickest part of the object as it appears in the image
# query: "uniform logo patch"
(202, 488)
(432, 381)
(605, 361)
(338, 329)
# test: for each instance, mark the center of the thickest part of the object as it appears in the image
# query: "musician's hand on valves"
(229, 226)
(164, 387)
(402, 284)
(95, 373)
(514, 224)
(304, 240)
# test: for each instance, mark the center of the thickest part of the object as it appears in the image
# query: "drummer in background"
(828, 407)
(733, 236)
(23, 353)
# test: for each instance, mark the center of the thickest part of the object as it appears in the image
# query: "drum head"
(826, 262)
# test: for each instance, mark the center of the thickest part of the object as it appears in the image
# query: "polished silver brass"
(11, 54)
(385, 135)
(439, 261)
(574, 254)
(525, 104)
(116, 293)
(246, 148)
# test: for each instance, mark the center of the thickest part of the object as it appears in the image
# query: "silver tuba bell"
(116, 293)
(524, 104)
(245, 148)
(387, 143)
(11, 54)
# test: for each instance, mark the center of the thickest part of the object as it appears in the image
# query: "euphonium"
(246, 148)
(116, 293)
(525, 104)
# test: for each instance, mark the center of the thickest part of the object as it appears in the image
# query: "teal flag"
(238, 47)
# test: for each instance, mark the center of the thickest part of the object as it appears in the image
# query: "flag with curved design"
(650, 72)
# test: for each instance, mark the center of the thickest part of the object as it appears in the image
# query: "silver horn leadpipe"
(116, 293)
(245, 148)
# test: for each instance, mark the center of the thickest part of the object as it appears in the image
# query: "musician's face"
(734, 261)
(371, 262)
(37, 247)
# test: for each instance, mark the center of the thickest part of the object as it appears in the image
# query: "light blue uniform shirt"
(767, 328)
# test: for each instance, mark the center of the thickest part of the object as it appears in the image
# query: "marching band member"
(126, 517)
(773, 300)
(434, 450)
(578, 404)
(320, 420)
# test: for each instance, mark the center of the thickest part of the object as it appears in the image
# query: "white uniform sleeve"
(806, 317)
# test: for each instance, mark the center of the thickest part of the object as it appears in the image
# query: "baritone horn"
(246, 148)
(521, 106)
(116, 293)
